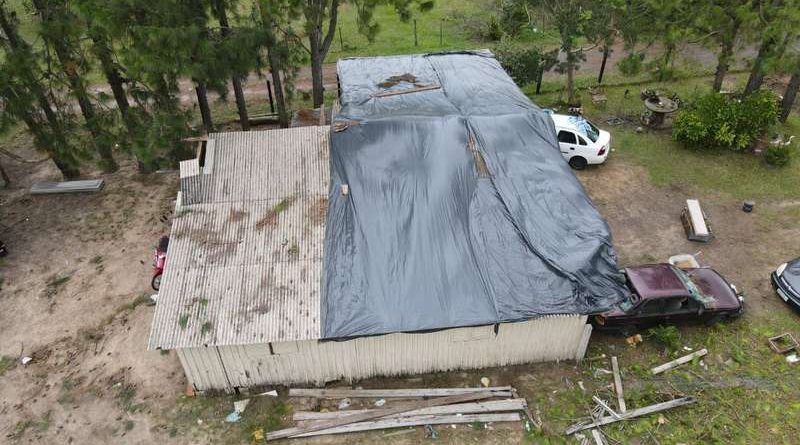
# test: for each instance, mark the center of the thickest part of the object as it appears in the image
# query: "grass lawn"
(449, 25)
(740, 175)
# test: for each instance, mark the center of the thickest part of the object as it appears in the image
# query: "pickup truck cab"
(580, 142)
(666, 294)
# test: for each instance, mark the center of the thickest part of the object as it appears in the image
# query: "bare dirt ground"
(75, 287)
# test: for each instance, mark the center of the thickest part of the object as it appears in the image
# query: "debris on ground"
(345, 403)
(272, 393)
(679, 361)
(633, 340)
(43, 188)
(783, 343)
(238, 408)
(485, 382)
(25, 360)
(630, 414)
(428, 406)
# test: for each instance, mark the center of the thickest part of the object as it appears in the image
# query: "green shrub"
(494, 30)
(722, 121)
(778, 155)
(667, 336)
(520, 61)
(631, 64)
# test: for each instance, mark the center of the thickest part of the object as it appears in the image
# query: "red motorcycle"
(159, 260)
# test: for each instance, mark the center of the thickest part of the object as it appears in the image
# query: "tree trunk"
(570, 77)
(757, 72)
(606, 51)
(275, 68)
(319, 46)
(238, 93)
(4, 177)
(789, 95)
(205, 110)
(112, 74)
(725, 56)
(70, 69)
(317, 87)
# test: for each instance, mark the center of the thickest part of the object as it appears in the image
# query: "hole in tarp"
(394, 80)
(480, 164)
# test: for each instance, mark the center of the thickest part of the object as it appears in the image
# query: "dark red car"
(666, 294)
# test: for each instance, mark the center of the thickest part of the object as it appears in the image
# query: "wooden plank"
(376, 414)
(678, 361)
(598, 438)
(461, 408)
(403, 422)
(340, 393)
(407, 91)
(91, 185)
(696, 217)
(618, 385)
(606, 407)
(584, 342)
(630, 414)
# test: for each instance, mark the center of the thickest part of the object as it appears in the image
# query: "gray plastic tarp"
(459, 210)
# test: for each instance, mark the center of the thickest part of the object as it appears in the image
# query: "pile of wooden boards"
(430, 406)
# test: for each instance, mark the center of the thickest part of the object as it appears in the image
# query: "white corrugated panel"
(245, 256)
(554, 337)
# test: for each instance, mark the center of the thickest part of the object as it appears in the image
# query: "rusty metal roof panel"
(245, 262)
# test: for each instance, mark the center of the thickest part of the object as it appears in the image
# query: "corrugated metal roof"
(245, 259)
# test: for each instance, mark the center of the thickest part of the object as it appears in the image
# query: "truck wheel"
(578, 162)
(156, 282)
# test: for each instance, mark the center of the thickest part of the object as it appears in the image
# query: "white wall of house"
(549, 338)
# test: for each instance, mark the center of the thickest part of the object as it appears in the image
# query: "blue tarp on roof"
(460, 210)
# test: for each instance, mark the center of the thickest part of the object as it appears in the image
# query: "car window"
(581, 141)
(652, 307)
(566, 137)
(585, 127)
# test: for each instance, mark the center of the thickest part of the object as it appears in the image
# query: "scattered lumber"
(679, 361)
(378, 413)
(488, 406)
(639, 412)
(86, 186)
(618, 385)
(340, 393)
(402, 422)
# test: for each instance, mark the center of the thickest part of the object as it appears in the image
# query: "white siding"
(549, 338)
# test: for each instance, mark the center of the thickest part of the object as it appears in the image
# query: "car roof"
(656, 281)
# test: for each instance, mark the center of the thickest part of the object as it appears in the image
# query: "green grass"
(6, 363)
(455, 21)
(740, 175)
(745, 392)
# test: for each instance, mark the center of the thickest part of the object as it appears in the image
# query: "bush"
(631, 64)
(778, 155)
(521, 62)
(721, 121)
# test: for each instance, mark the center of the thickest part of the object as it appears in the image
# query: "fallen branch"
(376, 414)
(630, 414)
(679, 361)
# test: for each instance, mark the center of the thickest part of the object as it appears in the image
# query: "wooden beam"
(402, 422)
(679, 361)
(606, 407)
(378, 413)
(340, 393)
(618, 385)
(407, 91)
(461, 408)
(630, 414)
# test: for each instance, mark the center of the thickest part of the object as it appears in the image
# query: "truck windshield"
(585, 128)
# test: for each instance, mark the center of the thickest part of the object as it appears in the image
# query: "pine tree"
(24, 97)
(61, 30)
